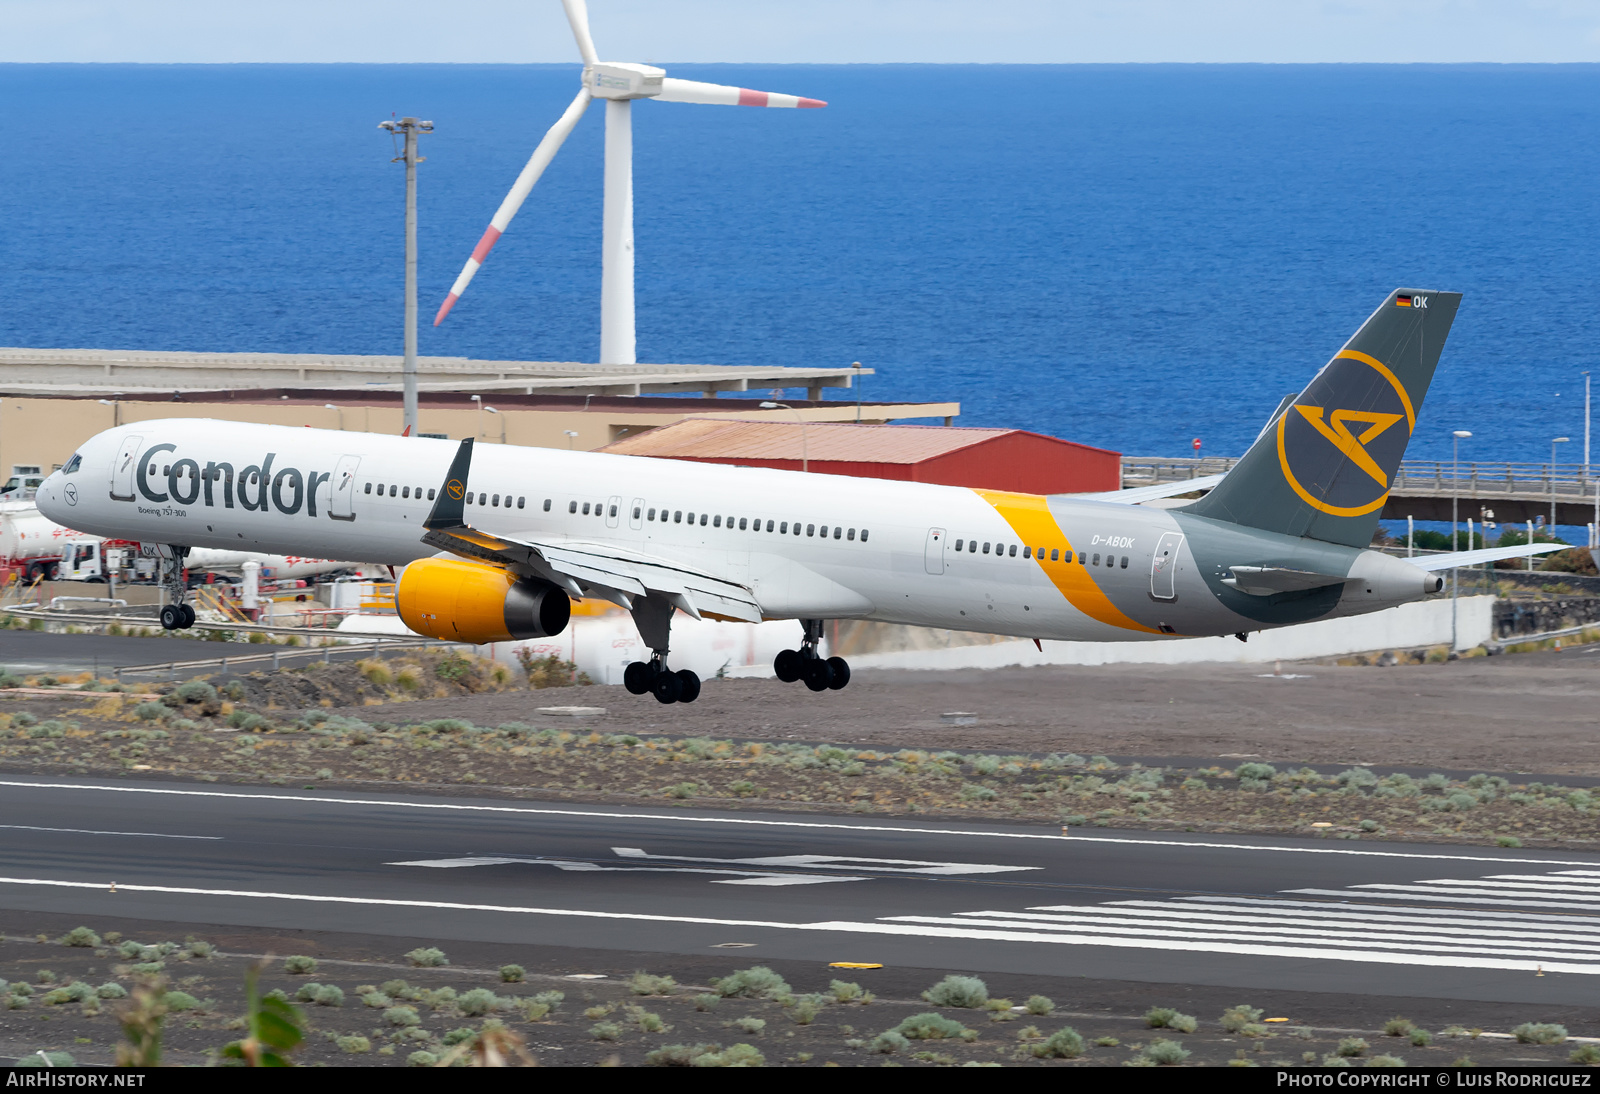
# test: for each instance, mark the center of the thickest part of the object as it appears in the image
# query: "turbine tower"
(618, 83)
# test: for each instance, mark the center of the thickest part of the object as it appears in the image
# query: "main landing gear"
(653, 616)
(667, 686)
(806, 663)
(178, 615)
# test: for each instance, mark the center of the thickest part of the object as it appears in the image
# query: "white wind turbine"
(618, 83)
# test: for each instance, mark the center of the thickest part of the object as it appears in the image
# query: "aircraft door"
(613, 511)
(123, 468)
(636, 514)
(933, 552)
(342, 488)
(1164, 567)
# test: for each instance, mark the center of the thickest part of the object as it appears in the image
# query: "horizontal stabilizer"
(1139, 494)
(1269, 580)
(1488, 554)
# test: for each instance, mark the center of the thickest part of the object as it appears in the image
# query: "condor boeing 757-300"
(496, 540)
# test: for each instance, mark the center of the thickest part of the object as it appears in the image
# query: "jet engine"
(473, 602)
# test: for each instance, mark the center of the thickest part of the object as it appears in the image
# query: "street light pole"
(410, 127)
(1554, 441)
(502, 418)
(805, 450)
(1455, 498)
(340, 409)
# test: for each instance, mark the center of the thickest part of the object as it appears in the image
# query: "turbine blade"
(693, 91)
(540, 159)
(578, 16)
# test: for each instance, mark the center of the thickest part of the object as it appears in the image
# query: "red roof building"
(990, 459)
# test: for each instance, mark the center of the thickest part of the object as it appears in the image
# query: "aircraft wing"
(604, 570)
(1489, 554)
(1139, 494)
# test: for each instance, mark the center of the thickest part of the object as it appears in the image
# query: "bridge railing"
(1416, 477)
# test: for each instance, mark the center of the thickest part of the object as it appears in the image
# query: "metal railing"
(1440, 478)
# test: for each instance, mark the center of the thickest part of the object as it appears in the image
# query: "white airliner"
(496, 539)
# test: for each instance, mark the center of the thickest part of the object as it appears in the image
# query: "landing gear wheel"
(841, 672)
(188, 616)
(638, 677)
(688, 686)
(172, 617)
(789, 666)
(819, 674)
(668, 687)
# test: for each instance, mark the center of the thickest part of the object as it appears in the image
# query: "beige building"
(42, 432)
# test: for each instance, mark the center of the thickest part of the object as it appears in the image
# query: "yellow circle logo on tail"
(454, 489)
(1338, 444)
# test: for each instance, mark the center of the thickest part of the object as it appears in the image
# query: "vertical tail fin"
(1324, 467)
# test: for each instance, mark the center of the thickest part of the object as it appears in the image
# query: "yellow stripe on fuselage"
(1030, 517)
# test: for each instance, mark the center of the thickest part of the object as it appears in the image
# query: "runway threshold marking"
(96, 832)
(914, 927)
(683, 818)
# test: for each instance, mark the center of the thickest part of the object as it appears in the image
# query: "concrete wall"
(1406, 627)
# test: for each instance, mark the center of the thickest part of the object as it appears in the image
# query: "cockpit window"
(72, 464)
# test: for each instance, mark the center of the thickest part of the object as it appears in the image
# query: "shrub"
(458, 1036)
(732, 1056)
(422, 1058)
(1236, 1018)
(300, 965)
(1039, 1004)
(478, 1002)
(180, 1001)
(1540, 1033)
(80, 936)
(308, 992)
(706, 1002)
(1398, 1027)
(930, 1027)
(958, 991)
(512, 974)
(201, 950)
(1421, 1038)
(758, 982)
(196, 691)
(1586, 1054)
(532, 1011)
(111, 990)
(678, 1055)
(148, 712)
(642, 983)
(330, 995)
(1386, 1061)
(1165, 1053)
(843, 991)
(748, 1024)
(1064, 1044)
(551, 999)
(1259, 772)
(354, 1044)
(402, 1016)
(1167, 1018)
(20, 989)
(605, 1031)
(427, 958)
(889, 1042)
(1352, 1046)
(376, 999)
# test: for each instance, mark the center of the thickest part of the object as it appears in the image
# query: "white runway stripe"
(1444, 914)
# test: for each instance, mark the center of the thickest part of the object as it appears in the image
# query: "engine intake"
(472, 602)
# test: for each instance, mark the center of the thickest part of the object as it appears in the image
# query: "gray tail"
(1324, 466)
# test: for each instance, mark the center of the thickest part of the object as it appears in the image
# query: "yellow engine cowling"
(473, 602)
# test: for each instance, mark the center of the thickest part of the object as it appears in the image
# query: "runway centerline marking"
(96, 832)
(682, 818)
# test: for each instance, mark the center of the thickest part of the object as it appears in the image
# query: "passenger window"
(717, 523)
(1124, 562)
(522, 502)
(572, 507)
(369, 485)
(824, 531)
(958, 542)
(1055, 554)
(702, 520)
(1111, 560)
(769, 526)
(1027, 552)
(547, 506)
(430, 493)
(985, 548)
(585, 505)
(393, 488)
(406, 493)
(651, 515)
(1083, 559)
(852, 535)
(613, 511)
(677, 516)
(863, 535)
(743, 523)
(1097, 560)
(691, 518)
(783, 529)
(811, 529)
(837, 531)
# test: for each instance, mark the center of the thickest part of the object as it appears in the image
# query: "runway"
(1333, 916)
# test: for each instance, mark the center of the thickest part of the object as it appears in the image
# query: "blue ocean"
(1130, 256)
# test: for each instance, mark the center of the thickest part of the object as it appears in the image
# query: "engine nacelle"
(472, 602)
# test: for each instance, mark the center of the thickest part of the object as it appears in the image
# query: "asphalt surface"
(40, 651)
(1375, 919)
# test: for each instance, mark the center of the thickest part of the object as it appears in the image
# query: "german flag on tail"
(1402, 301)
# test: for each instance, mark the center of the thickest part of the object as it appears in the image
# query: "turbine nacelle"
(623, 80)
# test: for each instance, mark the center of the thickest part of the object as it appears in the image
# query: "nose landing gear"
(819, 673)
(178, 615)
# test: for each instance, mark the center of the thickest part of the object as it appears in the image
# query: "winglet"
(449, 511)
